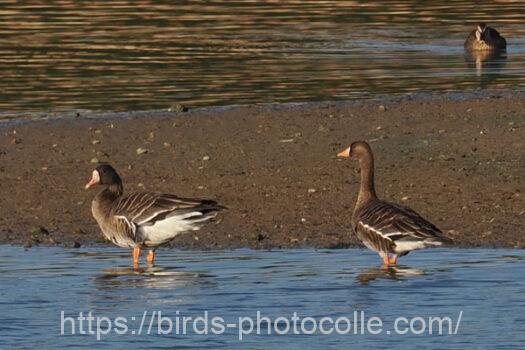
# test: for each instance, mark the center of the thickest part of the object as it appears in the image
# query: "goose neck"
(367, 188)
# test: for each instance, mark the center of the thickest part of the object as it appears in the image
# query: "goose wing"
(146, 208)
(394, 222)
(496, 37)
(471, 38)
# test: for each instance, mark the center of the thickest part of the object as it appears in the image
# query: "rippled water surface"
(487, 286)
(123, 55)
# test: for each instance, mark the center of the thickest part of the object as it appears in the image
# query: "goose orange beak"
(91, 183)
(344, 153)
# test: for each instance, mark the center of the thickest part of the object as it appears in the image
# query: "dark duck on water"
(485, 38)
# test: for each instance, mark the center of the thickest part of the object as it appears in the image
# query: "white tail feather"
(163, 231)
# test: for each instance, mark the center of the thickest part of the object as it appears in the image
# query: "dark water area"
(121, 56)
(481, 290)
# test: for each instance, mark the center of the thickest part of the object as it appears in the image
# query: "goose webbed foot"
(387, 262)
(393, 260)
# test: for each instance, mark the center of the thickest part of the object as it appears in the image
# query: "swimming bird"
(485, 38)
(144, 220)
(384, 227)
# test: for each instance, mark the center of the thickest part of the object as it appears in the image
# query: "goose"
(485, 38)
(144, 220)
(384, 227)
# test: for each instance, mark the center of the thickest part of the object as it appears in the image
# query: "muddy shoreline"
(458, 159)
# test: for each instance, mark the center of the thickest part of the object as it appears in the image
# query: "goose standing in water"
(384, 227)
(485, 38)
(144, 220)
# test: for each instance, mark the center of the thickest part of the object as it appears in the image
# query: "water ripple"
(486, 284)
(119, 55)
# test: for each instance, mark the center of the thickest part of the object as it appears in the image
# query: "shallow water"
(486, 287)
(120, 55)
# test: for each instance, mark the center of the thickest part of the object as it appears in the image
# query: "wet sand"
(458, 160)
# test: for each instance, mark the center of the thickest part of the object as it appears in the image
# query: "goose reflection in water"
(486, 61)
(391, 273)
(112, 279)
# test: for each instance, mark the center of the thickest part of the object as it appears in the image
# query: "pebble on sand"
(39, 230)
(322, 128)
(177, 107)
(141, 150)
(13, 140)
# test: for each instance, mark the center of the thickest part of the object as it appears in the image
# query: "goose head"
(105, 175)
(358, 149)
(361, 151)
(481, 32)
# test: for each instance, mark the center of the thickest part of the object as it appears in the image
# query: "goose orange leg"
(393, 260)
(136, 257)
(151, 258)
(385, 261)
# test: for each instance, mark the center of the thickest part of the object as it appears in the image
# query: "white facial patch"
(95, 177)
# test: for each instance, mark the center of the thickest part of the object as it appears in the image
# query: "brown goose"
(144, 219)
(485, 38)
(384, 227)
